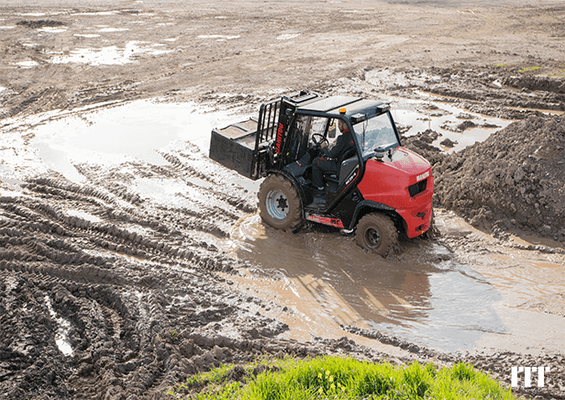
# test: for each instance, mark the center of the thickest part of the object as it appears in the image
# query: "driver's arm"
(336, 149)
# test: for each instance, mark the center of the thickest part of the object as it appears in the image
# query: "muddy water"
(328, 282)
(530, 285)
(115, 135)
(445, 120)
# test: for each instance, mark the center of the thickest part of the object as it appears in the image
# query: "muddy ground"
(108, 292)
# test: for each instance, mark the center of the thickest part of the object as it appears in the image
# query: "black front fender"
(365, 207)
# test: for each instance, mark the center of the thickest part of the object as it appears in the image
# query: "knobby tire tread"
(293, 220)
(386, 228)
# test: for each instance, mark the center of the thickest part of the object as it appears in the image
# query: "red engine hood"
(406, 161)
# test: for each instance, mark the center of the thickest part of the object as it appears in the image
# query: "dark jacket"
(342, 145)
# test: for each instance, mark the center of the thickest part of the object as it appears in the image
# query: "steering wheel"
(318, 139)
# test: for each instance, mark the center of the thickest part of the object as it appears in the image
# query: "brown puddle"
(533, 240)
(531, 285)
(326, 281)
(322, 281)
(444, 119)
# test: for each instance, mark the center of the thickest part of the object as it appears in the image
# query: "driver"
(326, 163)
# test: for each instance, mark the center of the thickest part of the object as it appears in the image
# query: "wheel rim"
(372, 238)
(277, 204)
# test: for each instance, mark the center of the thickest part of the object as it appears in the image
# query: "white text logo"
(528, 375)
(424, 175)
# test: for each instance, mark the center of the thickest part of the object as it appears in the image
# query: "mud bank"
(497, 91)
(515, 180)
(496, 364)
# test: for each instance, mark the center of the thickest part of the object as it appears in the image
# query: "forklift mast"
(253, 147)
(273, 128)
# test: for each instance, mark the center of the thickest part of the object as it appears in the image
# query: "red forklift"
(378, 189)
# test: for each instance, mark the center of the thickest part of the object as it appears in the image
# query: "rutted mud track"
(131, 289)
(135, 294)
(143, 304)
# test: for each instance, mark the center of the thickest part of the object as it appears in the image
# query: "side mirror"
(380, 154)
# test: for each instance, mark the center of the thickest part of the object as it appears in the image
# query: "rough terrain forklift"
(378, 189)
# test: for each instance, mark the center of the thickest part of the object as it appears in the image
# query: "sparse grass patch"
(528, 69)
(340, 378)
(561, 72)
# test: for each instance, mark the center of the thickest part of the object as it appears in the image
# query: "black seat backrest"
(346, 154)
(347, 166)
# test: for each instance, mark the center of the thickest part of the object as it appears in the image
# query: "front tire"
(376, 233)
(279, 203)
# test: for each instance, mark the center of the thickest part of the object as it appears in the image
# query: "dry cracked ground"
(128, 265)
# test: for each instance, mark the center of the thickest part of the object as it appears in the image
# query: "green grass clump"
(340, 378)
(528, 69)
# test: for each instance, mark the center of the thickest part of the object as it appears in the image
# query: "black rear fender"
(299, 188)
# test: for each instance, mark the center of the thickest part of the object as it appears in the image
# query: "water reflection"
(327, 277)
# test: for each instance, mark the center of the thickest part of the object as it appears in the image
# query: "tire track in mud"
(138, 291)
(193, 163)
(129, 232)
(132, 279)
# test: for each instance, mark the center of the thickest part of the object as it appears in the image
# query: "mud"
(495, 364)
(129, 260)
(143, 305)
(512, 181)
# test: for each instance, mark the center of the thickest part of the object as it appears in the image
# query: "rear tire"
(376, 233)
(279, 203)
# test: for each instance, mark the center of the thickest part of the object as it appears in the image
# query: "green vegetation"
(340, 378)
(501, 65)
(528, 69)
(561, 72)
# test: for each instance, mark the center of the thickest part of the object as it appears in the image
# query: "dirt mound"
(535, 82)
(490, 91)
(514, 179)
(422, 144)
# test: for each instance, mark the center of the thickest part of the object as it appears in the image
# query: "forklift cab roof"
(332, 105)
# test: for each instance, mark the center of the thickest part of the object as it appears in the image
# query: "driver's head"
(341, 125)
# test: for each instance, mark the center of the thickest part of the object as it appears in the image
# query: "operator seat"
(346, 164)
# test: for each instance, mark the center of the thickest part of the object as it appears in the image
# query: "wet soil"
(513, 180)
(128, 264)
